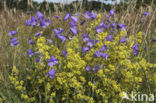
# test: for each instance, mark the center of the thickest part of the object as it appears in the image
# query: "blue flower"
(88, 68)
(93, 16)
(58, 32)
(38, 60)
(63, 38)
(14, 43)
(91, 43)
(111, 12)
(52, 61)
(135, 49)
(42, 24)
(85, 37)
(145, 13)
(73, 30)
(28, 22)
(98, 29)
(154, 40)
(67, 16)
(82, 22)
(64, 53)
(109, 38)
(40, 15)
(34, 21)
(11, 33)
(121, 26)
(97, 68)
(103, 24)
(13, 39)
(104, 47)
(37, 52)
(107, 16)
(31, 41)
(74, 19)
(72, 24)
(123, 39)
(85, 49)
(57, 17)
(47, 22)
(88, 14)
(38, 34)
(109, 20)
(104, 55)
(97, 53)
(30, 53)
(113, 24)
(51, 73)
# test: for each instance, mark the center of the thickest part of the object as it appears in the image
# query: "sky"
(69, 1)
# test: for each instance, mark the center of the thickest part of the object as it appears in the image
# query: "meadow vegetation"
(77, 56)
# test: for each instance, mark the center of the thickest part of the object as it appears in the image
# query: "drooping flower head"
(58, 32)
(72, 24)
(135, 49)
(11, 33)
(67, 16)
(40, 15)
(111, 12)
(74, 19)
(73, 30)
(14, 41)
(38, 34)
(62, 37)
(82, 22)
(121, 26)
(107, 16)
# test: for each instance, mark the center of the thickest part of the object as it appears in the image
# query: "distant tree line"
(85, 4)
